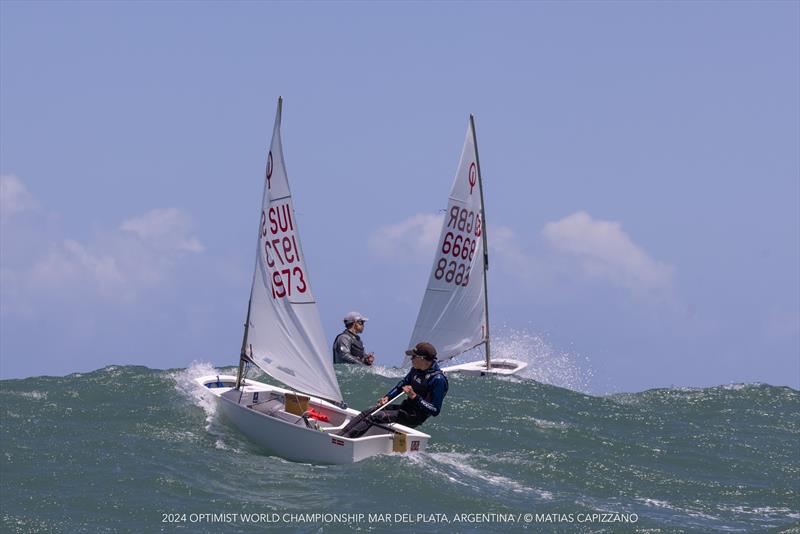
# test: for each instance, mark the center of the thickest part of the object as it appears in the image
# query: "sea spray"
(546, 363)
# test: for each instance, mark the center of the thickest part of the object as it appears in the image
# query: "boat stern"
(403, 440)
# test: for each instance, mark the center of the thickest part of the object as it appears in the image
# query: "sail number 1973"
(282, 252)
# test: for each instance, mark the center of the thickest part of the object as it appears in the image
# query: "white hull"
(501, 367)
(257, 410)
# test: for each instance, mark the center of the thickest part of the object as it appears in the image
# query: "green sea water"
(132, 449)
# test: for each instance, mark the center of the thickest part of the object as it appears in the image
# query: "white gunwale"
(499, 367)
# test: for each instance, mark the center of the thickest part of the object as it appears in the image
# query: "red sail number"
(281, 252)
(453, 272)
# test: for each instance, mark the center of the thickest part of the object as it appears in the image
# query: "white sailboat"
(283, 336)
(454, 315)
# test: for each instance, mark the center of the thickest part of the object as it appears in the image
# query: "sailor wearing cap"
(426, 386)
(348, 347)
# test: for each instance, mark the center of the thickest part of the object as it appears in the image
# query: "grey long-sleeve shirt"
(348, 348)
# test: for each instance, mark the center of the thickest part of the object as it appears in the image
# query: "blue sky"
(640, 160)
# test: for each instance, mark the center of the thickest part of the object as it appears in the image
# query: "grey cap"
(354, 316)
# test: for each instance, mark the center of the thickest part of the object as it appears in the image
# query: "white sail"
(453, 312)
(284, 335)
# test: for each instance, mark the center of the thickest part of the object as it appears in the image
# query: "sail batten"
(284, 332)
(453, 312)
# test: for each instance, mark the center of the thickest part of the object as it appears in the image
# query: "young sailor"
(425, 386)
(348, 347)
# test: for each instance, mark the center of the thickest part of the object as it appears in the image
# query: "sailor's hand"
(409, 391)
(382, 401)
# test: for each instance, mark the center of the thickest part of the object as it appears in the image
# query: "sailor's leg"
(410, 419)
(356, 420)
(388, 415)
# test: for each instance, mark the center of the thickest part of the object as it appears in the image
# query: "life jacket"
(422, 380)
(356, 347)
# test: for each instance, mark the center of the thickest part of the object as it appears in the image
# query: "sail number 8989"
(458, 246)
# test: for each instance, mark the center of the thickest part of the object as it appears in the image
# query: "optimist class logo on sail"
(269, 170)
(473, 176)
(281, 251)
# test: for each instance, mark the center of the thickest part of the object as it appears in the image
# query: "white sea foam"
(666, 505)
(172, 435)
(546, 363)
(544, 423)
(456, 468)
(35, 395)
(221, 445)
(768, 512)
(186, 386)
(656, 503)
(198, 395)
(388, 372)
(734, 387)
(742, 386)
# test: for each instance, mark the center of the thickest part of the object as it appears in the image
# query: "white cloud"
(410, 241)
(14, 197)
(605, 252)
(164, 228)
(519, 257)
(71, 265)
(579, 248)
(118, 264)
(114, 265)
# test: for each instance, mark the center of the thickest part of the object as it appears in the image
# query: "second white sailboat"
(454, 315)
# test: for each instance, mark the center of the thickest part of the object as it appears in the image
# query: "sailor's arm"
(395, 391)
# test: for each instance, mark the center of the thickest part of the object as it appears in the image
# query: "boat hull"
(500, 367)
(287, 435)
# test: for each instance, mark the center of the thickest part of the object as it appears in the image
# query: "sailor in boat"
(425, 386)
(348, 347)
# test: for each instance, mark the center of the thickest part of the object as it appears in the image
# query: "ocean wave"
(133, 439)
(694, 395)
